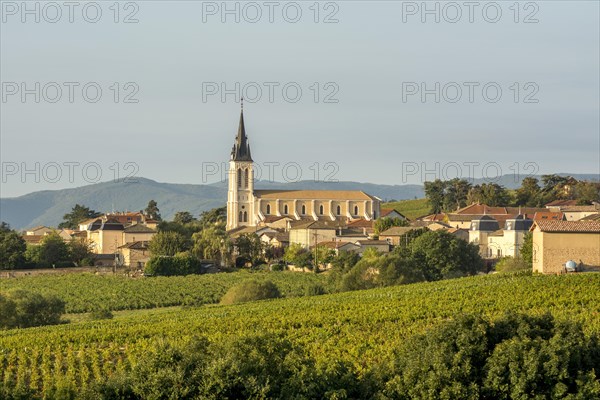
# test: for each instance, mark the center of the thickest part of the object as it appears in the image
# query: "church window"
(321, 209)
(303, 209)
(355, 210)
(239, 177)
(241, 217)
(339, 210)
(285, 209)
(246, 178)
(268, 209)
(245, 216)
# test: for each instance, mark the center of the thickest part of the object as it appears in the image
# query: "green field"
(411, 209)
(87, 292)
(360, 328)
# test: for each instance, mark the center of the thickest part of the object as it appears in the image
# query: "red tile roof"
(548, 215)
(568, 226)
(559, 203)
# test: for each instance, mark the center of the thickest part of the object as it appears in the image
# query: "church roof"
(342, 195)
(241, 147)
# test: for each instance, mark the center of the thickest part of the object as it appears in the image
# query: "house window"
(239, 178)
(303, 209)
(499, 252)
(339, 210)
(355, 210)
(285, 209)
(246, 178)
(321, 209)
(268, 209)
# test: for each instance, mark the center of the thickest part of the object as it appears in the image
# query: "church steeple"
(241, 147)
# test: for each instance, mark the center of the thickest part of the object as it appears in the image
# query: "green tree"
(183, 217)
(27, 309)
(249, 247)
(587, 192)
(167, 244)
(455, 195)
(491, 194)
(214, 216)
(12, 248)
(434, 191)
(53, 250)
(298, 256)
(80, 251)
(212, 243)
(526, 250)
(179, 265)
(529, 193)
(79, 213)
(152, 211)
(442, 255)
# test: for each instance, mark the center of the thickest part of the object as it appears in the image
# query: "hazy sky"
(367, 121)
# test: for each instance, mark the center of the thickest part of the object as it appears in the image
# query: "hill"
(48, 207)
(411, 209)
(353, 331)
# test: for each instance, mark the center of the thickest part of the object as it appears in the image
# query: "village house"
(557, 242)
(135, 254)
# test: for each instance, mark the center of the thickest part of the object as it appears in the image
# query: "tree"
(79, 213)
(455, 195)
(53, 250)
(167, 244)
(526, 250)
(183, 217)
(212, 243)
(587, 192)
(385, 223)
(434, 191)
(442, 255)
(324, 255)
(491, 194)
(298, 256)
(152, 211)
(23, 309)
(180, 264)
(12, 248)
(249, 247)
(211, 217)
(529, 193)
(80, 251)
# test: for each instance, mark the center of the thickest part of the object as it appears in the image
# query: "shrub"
(277, 267)
(250, 291)
(314, 290)
(22, 309)
(101, 313)
(181, 264)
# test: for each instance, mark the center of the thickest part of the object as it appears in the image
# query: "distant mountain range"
(48, 207)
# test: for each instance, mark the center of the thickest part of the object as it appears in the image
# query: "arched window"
(303, 209)
(321, 209)
(285, 209)
(355, 210)
(241, 217)
(245, 216)
(239, 177)
(246, 178)
(268, 209)
(339, 210)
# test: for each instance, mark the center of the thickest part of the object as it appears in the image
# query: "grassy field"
(88, 292)
(411, 209)
(360, 328)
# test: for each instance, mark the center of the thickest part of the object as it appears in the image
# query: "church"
(247, 207)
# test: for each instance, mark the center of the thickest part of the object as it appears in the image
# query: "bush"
(514, 357)
(22, 309)
(101, 313)
(314, 290)
(277, 267)
(181, 264)
(510, 264)
(250, 291)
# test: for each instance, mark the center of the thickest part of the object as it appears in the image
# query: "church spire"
(241, 147)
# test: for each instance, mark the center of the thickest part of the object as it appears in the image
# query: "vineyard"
(88, 292)
(359, 328)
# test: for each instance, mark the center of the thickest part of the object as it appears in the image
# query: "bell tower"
(240, 196)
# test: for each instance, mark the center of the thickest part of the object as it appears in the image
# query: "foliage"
(251, 291)
(101, 313)
(324, 255)
(79, 213)
(179, 264)
(80, 251)
(183, 217)
(250, 247)
(526, 250)
(385, 223)
(212, 242)
(12, 248)
(23, 309)
(167, 243)
(334, 346)
(87, 292)
(491, 194)
(152, 211)
(298, 256)
(511, 264)
(529, 194)
(53, 250)
(514, 357)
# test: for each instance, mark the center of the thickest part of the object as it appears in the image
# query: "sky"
(389, 92)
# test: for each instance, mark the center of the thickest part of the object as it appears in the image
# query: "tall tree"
(12, 248)
(152, 211)
(529, 193)
(183, 217)
(434, 191)
(455, 195)
(79, 213)
(53, 249)
(167, 244)
(491, 194)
